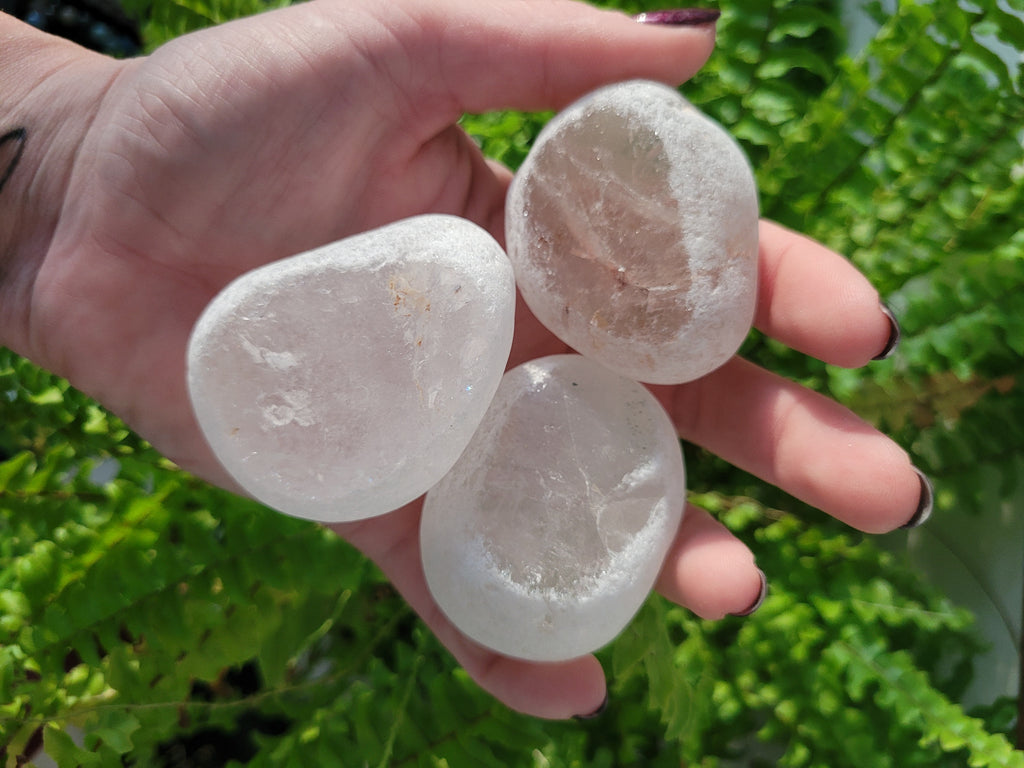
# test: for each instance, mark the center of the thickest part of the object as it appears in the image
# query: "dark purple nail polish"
(760, 596)
(680, 17)
(894, 335)
(597, 712)
(925, 504)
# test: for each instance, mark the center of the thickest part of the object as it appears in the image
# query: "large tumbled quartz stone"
(548, 534)
(633, 229)
(344, 382)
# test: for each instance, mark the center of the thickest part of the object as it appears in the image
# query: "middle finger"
(801, 441)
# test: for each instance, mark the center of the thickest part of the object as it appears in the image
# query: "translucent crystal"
(545, 538)
(632, 227)
(344, 382)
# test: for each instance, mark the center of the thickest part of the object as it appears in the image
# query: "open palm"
(246, 143)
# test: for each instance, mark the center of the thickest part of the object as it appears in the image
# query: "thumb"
(482, 55)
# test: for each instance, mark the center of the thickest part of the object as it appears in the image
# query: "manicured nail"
(597, 712)
(680, 17)
(925, 504)
(761, 595)
(894, 335)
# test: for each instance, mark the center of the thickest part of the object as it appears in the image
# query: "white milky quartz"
(548, 534)
(344, 382)
(632, 227)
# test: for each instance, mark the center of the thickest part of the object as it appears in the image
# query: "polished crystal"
(343, 382)
(546, 537)
(633, 229)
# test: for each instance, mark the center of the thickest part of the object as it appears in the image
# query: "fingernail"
(894, 335)
(925, 504)
(597, 712)
(680, 17)
(761, 595)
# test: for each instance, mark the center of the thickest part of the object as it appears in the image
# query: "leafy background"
(166, 623)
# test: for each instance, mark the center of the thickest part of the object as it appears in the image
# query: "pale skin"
(144, 186)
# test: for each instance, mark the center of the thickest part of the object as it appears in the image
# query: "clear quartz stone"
(545, 538)
(633, 229)
(343, 382)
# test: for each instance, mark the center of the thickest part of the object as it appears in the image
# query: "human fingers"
(710, 571)
(803, 442)
(566, 49)
(480, 55)
(816, 301)
(550, 690)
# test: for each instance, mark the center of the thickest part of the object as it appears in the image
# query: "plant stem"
(1020, 679)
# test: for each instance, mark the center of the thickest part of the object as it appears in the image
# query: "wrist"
(50, 90)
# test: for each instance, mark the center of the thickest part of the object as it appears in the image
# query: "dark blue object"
(97, 24)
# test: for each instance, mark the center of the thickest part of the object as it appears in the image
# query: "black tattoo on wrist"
(16, 138)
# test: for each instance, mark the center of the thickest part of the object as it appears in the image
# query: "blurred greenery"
(178, 625)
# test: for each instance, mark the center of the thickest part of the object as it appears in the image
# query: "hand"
(249, 142)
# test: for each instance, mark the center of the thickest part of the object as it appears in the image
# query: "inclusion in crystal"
(633, 229)
(547, 535)
(342, 383)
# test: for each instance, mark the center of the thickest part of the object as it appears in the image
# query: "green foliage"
(505, 136)
(166, 19)
(153, 612)
(774, 59)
